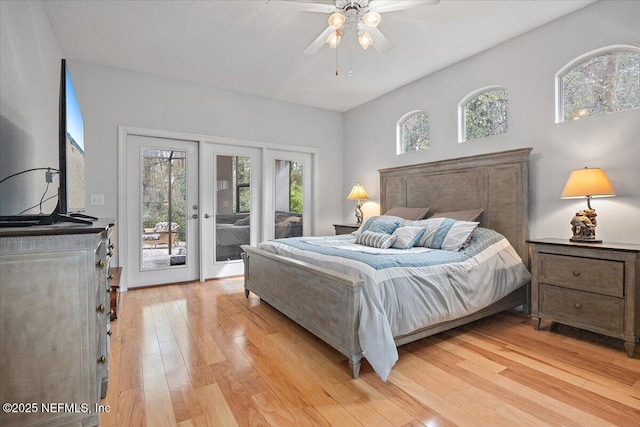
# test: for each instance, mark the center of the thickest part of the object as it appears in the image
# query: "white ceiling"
(255, 46)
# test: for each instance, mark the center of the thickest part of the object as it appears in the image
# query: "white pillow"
(407, 237)
(376, 240)
(445, 233)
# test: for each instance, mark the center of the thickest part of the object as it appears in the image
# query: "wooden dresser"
(54, 323)
(590, 286)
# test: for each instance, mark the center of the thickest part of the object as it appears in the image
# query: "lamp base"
(578, 240)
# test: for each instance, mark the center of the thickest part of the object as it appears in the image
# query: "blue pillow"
(386, 226)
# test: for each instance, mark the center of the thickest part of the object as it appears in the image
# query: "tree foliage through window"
(413, 132)
(486, 114)
(601, 84)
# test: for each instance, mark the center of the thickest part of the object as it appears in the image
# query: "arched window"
(600, 82)
(412, 132)
(483, 113)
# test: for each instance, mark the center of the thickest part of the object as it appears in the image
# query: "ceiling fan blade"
(304, 6)
(380, 42)
(315, 46)
(382, 6)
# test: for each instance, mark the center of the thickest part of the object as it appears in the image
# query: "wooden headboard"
(496, 182)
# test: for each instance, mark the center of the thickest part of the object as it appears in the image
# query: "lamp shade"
(587, 182)
(358, 193)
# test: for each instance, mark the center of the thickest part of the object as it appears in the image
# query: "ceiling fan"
(362, 16)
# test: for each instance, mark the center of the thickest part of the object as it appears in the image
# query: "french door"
(162, 210)
(232, 206)
(186, 206)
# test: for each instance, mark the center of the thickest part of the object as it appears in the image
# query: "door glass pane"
(233, 206)
(289, 199)
(164, 202)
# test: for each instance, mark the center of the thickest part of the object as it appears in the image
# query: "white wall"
(111, 96)
(29, 90)
(526, 66)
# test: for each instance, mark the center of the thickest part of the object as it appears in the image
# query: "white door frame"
(123, 131)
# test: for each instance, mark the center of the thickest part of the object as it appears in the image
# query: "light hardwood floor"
(201, 354)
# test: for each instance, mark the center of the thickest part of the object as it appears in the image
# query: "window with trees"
(483, 113)
(601, 82)
(412, 132)
(242, 180)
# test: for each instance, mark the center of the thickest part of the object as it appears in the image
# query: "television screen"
(72, 194)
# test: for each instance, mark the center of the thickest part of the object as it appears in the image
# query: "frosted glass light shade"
(588, 182)
(336, 21)
(365, 39)
(371, 18)
(334, 39)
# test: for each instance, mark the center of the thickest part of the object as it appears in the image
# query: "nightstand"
(589, 286)
(346, 228)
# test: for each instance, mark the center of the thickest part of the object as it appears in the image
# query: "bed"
(335, 306)
(234, 230)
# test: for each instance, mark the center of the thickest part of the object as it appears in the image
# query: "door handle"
(207, 215)
(194, 216)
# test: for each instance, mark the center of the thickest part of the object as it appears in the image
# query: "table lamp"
(588, 183)
(358, 193)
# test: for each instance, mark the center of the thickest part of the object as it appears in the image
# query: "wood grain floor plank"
(215, 407)
(195, 354)
(238, 394)
(131, 408)
(157, 399)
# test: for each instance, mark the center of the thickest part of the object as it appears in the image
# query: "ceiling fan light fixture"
(365, 39)
(334, 39)
(371, 18)
(336, 21)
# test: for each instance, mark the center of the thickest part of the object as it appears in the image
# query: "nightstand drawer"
(586, 274)
(582, 309)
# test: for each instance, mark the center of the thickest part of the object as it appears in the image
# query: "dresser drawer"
(582, 309)
(587, 274)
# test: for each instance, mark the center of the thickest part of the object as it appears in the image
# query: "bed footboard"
(324, 302)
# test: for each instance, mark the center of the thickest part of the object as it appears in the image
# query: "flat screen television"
(71, 152)
(71, 196)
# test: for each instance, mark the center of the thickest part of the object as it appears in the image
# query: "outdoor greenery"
(602, 84)
(415, 133)
(295, 187)
(242, 177)
(161, 174)
(486, 115)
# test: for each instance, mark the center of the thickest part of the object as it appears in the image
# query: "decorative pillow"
(384, 226)
(408, 213)
(468, 215)
(376, 240)
(407, 237)
(370, 221)
(446, 233)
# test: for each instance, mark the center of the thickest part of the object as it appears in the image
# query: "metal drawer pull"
(576, 273)
(102, 359)
(100, 264)
(101, 308)
(109, 332)
(578, 305)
